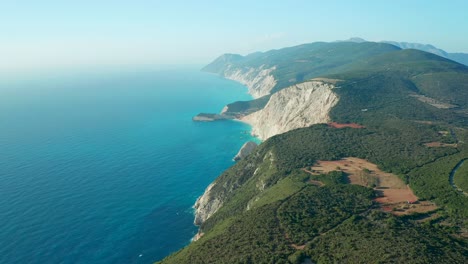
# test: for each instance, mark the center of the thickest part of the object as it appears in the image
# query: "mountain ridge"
(455, 56)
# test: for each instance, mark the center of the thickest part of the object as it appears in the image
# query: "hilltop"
(455, 56)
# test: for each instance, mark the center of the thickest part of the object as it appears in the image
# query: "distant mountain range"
(458, 57)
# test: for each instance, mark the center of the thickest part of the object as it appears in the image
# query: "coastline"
(254, 138)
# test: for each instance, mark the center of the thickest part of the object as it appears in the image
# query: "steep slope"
(297, 106)
(260, 80)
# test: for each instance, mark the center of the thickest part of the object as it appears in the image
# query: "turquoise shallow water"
(104, 167)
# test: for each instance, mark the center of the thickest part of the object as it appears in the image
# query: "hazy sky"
(57, 33)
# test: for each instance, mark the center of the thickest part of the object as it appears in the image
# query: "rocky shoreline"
(207, 204)
(245, 150)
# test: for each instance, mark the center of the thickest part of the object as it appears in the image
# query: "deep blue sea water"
(104, 167)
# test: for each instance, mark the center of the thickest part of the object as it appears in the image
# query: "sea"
(104, 166)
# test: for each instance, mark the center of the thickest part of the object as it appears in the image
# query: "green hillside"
(337, 221)
(275, 212)
(386, 85)
(303, 62)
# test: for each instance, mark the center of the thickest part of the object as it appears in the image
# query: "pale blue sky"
(58, 33)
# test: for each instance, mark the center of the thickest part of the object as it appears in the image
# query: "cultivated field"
(393, 194)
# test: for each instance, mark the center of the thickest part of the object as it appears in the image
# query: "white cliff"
(206, 205)
(260, 81)
(297, 106)
(245, 150)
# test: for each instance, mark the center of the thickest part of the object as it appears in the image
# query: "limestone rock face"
(260, 81)
(297, 106)
(198, 236)
(245, 150)
(206, 205)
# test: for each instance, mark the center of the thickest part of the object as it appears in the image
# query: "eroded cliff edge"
(258, 78)
(245, 150)
(260, 81)
(206, 205)
(297, 106)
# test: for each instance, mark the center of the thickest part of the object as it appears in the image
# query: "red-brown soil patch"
(443, 133)
(339, 125)
(393, 194)
(301, 247)
(463, 232)
(316, 183)
(424, 122)
(439, 145)
(297, 247)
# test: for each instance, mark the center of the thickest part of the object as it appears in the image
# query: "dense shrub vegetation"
(377, 237)
(252, 237)
(315, 210)
(461, 177)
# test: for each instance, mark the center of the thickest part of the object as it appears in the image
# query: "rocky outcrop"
(297, 106)
(197, 236)
(245, 150)
(204, 117)
(206, 205)
(260, 81)
(222, 189)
